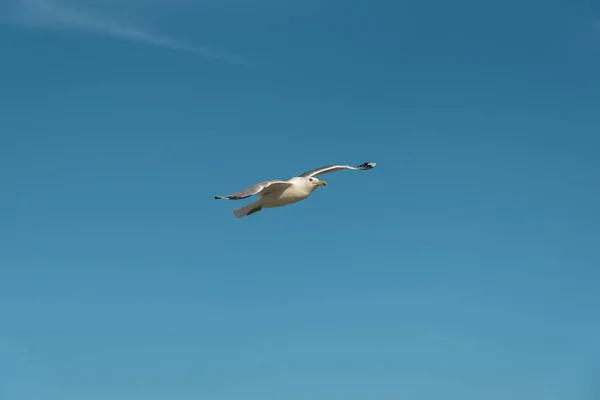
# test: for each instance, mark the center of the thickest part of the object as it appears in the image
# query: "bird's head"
(315, 182)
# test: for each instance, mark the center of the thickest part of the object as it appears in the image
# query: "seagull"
(282, 193)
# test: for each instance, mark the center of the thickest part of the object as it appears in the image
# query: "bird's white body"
(288, 192)
(300, 189)
(282, 193)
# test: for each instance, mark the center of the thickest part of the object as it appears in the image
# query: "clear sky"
(464, 267)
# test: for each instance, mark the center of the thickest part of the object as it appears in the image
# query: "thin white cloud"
(51, 15)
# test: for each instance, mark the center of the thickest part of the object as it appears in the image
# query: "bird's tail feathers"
(247, 210)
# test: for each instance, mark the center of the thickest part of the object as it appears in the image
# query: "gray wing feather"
(333, 168)
(260, 188)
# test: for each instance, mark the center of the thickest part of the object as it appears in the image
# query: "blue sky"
(465, 266)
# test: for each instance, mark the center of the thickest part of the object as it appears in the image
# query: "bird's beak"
(321, 183)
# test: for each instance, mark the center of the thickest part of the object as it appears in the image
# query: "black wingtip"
(367, 165)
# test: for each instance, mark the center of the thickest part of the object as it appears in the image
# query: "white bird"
(282, 193)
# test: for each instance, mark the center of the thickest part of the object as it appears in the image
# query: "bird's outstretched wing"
(260, 188)
(333, 168)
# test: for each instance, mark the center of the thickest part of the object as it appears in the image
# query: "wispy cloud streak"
(49, 14)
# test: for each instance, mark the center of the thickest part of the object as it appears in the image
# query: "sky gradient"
(463, 267)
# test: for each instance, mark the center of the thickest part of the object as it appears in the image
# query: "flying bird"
(282, 193)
